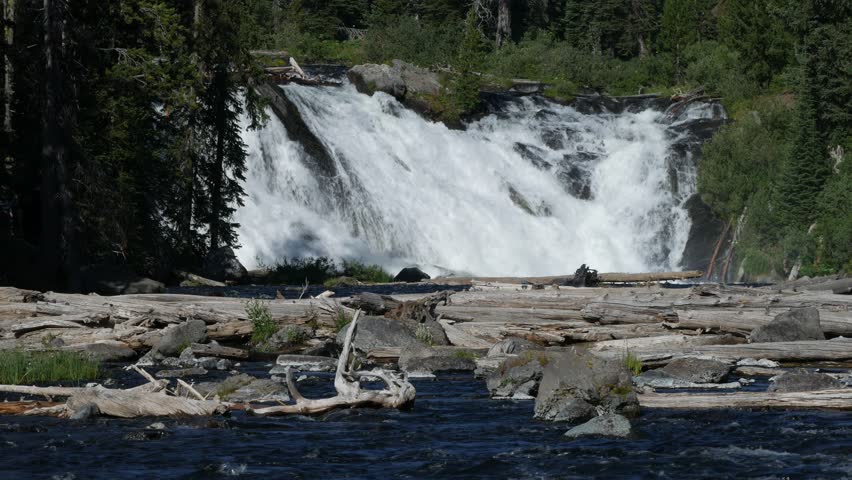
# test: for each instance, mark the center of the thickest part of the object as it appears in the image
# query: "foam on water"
(416, 192)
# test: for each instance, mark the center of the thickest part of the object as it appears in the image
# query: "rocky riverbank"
(584, 354)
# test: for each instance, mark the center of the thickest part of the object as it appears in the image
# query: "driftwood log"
(148, 400)
(399, 393)
(834, 399)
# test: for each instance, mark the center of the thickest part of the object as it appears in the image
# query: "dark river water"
(454, 431)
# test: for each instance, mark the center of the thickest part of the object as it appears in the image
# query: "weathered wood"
(804, 351)
(33, 326)
(398, 394)
(211, 350)
(199, 279)
(832, 399)
(567, 279)
(16, 295)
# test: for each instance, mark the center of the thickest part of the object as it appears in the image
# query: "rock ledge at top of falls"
(401, 80)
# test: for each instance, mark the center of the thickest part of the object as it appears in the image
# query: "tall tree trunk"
(58, 249)
(8, 83)
(188, 170)
(220, 84)
(504, 22)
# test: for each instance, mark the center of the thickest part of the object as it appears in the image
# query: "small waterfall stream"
(534, 188)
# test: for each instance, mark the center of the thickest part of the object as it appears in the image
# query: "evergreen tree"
(758, 35)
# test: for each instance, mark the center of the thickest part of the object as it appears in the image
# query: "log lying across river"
(567, 279)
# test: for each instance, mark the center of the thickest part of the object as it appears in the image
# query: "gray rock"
(607, 425)
(411, 275)
(380, 332)
(288, 337)
(400, 80)
(423, 359)
(518, 377)
(511, 346)
(117, 280)
(660, 379)
(697, 370)
(244, 388)
(801, 380)
(763, 362)
(303, 363)
(371, 78)
(222, 265)
(181, 373)
(575, 386)
(175, 338)
(797, 324)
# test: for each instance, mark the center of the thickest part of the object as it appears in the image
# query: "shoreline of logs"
(654, 324)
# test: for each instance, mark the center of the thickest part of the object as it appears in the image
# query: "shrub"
(365, 273)
(341, 320)
(263, 326)
(296, 271)
(18, 367)
(465, 355)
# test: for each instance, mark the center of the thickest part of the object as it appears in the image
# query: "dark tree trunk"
(504, 22)
(220, 84)
(58, 249)
(9, 71)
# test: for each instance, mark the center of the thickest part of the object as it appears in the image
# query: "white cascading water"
(491, 200)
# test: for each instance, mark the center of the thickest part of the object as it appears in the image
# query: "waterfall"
(534, 188)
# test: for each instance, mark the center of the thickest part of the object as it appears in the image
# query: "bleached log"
(398, 394)
(23, 328)
(16, 295)
(211, 350)
(834, 399)
(837, 349)
(565, 279)
(199, 279)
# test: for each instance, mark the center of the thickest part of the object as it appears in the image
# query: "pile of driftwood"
(155, 398)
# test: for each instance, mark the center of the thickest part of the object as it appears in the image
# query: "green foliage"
(263, 326)
(19, 367)
(756, 31)
(718, 69)
(341, 320)
(833, 233)
(408, 39)
(464, 355)
(296, 271)
(365, 273)
(743, 158)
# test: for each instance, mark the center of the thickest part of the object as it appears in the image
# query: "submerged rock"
(801, 380)
(576, 386)
(607, 425)
(797, 324)
(244, 388)
(181, 373)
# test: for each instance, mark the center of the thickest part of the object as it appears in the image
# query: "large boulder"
(697, 370)
(577, 386)
(381, 332)
(178, 337)
(222, 265)
(422, 359)
(104, 350)
(400, 80)
(518, 377)
(801, 380)
(797, 324)
(117, 280)
(411, 275)
(607, 425)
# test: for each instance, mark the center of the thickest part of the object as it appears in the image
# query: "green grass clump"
(464, 355)
(263, 326)
(341, 321)
(633, 363)
(365, 273)
(424, 335)
(20, 367)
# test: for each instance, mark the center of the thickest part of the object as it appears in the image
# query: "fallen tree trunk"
(833, 399)
(398, 394)
(567, 279)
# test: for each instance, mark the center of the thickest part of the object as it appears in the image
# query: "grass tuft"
(19, 367)
(263, 326)
(633, 363)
